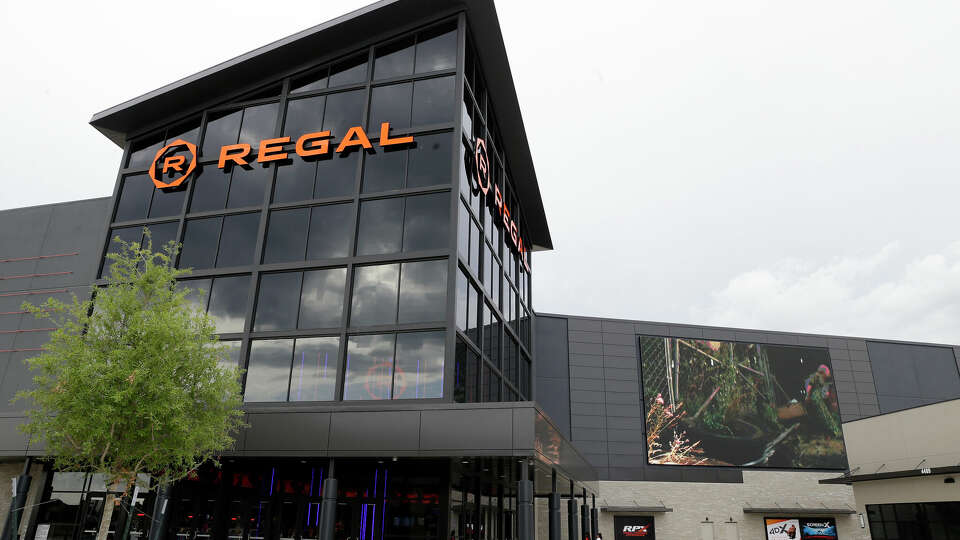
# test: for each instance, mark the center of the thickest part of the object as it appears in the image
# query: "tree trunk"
(108, 504)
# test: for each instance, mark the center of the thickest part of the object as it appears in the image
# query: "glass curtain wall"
(328, 272)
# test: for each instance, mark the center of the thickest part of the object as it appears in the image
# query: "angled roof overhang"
(288, 55)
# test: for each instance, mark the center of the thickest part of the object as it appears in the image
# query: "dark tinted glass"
(303, 116)
(286, 235)
(463, 233)
(259, 122)
(433, 101)
(330, 228)
(167, 202)
(231, 355)
(461, 309)
(491, 338)
(437, 49)
(248, 184)
(472, 310)
(390, 104)
(430, 160)
(135, 193)
(222, 129)
(524, 376)
(268, 373)
(238, 240)
(380, 226)
(419, 368)
(144, 150)
(511, 355)
(350, 71)
(489, 384)
(374, 295)
(394, 59)
(210, 191)
(198, 292)
(423, 291)
(277, 301)
(321, 301)
(369, 373)
(426, 222)
(314, 375)
(188, 131)
(475, 241)
(228, 303)
(384, 170)
(200, 240)
(465, 375)
(344, 110)
(337, 175)
(312, 81)
(126, 234)
(162, 233)
(295, 181)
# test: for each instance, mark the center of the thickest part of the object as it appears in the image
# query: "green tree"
(133, 381)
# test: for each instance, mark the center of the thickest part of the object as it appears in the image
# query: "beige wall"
(9, 470)
(692, 503)
(898, 490)
(900, 441)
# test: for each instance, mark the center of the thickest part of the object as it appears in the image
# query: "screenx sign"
(633, 527)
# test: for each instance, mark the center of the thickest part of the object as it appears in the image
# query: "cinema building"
(361, 212)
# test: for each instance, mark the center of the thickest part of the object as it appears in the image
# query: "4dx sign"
(481, 164)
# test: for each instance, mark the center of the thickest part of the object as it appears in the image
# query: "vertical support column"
(11, 529)
(594, 519)
(553, 508)
(524, 504)
(158, 524)
(572, 515)
(585, 518)
(328, 506)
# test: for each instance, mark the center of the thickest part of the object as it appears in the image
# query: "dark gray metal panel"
(375, 431)
(586, 325)
(456, 430)
(12, 440)
(524, 428)
(16, 377)
(285, 431)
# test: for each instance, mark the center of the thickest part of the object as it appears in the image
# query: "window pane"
(228, 303)
(144, 150)
(426, 222)
(337, 175)
(461, 314)
(330, 231)
(463, 233)
(259, 122)
(472, 307)
(489, 384)
(465, 373)
(419, 371)
(311, 81)
(126, 234)
(167, 202)
(380, 226)
(277, 301)
(161, 234)
(286, 235)
(369, 367)
(314, 376)
(188, 131)
(475, 241)
(321, 302)
(222, 129)
(248, 185)
(384, 170)
(268, 373)
(200, 240)
(394, 59)
(135, 193)
(437, 49)
(433, 101)
(210, 191)
(303, 116)
(295, 181)
(430, 160)
(353, 70)
(238, 240)
(375, 295)
(343, 111)
(390, 104)
(198, 292)
(231, 358)
(423, 288)
(510, 359)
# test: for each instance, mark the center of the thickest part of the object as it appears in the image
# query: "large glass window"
(394, 59)
(423, 287)
(419, 369)
(426, 221)
(350, 71)
(369, 368)
(268, 370)
(416, 373)
(380, 227)
(433, 101)
(343, 111)
(304, 300)
(210, 189)
(425, 162)
(201, 238)
(375, 295)
(466, 375)
(391, 104)
(286, 235)
(222, 129)
(330, 231)
(238, 240)
(228, 303)
(277, 301)
(385, 226)
(135, 193)
(303, 369)
(437, 49)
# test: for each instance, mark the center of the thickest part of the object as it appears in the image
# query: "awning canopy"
(635, 509)
(853, 478)
(803, 510)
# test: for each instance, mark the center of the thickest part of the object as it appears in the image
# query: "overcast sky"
(783, 166)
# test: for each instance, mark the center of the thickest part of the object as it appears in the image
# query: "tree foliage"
(133, 381)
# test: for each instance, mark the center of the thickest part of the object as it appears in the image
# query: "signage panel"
(801, 528)
(634, 527)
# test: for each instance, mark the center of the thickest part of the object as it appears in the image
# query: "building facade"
(360, 211)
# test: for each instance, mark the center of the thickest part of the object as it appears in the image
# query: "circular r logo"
(177, 159)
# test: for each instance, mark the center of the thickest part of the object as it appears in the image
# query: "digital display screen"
(801, 528)
(724, 403)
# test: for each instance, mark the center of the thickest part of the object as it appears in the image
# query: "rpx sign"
(482, 182)
(635, 530)
(173, 164)
(630, 527)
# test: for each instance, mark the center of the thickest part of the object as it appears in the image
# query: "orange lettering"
(497, 198)
(234, 153)
(355, 137)
(318, 144)
(506, 217)
(272, 150)
(173, 162)
(385, 139)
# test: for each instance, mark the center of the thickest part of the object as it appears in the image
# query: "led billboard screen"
(723, 403)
